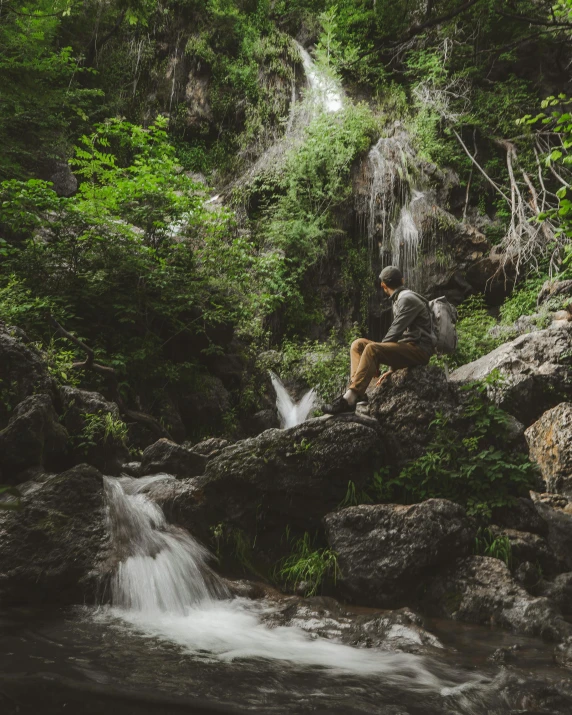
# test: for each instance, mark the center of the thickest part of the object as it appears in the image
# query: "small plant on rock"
(307, 566)
(498, 547)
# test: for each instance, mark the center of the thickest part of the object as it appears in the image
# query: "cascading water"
(292, 413)
(324, 90)
(162, 586)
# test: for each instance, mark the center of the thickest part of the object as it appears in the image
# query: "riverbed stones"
(51, 546)
(535, 371)
(171, 458)
(33, 437)
(385, 551)
(550, 444)
(480, 589)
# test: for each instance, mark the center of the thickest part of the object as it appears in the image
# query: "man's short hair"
(391, 276)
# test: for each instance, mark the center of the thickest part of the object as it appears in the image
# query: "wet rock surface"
(480, 589)
(50, 546)
(33, 437)
(171, 458)
(550, 444)
(401, 630)
(385, 551)
(537, 372)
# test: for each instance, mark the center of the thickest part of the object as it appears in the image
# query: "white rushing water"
(292, 413)
(163, 588)
(325, 90)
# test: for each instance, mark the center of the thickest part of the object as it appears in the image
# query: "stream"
(170, 637)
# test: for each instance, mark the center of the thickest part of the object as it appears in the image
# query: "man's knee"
(370, 351)
(360, 344)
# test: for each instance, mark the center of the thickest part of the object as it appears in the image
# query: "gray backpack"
(443, 324)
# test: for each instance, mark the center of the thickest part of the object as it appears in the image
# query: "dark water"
(82, 661)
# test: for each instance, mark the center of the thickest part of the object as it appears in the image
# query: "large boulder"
(550, 444)
(50, 548)
(535, 371)
(559, 534)
(23, 372)
(34, 437)
(531, 548)
(277, 484)
(87, 417)
(385, 551)
(168, 457)
(480, 589)
(405, 404)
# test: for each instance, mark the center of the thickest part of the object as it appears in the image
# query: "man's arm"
(407, 311)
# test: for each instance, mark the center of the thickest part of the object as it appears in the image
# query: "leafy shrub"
(324, 366)
(476, 470)
(523, 300)
(307, 565)
(498, 547)
(98, 428)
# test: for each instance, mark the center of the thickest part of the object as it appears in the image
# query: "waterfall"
(162, 587)
(405, 237)
(324, 90)
(292, 413)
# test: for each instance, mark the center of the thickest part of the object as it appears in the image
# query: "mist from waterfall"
(162, 587)
(290, 412)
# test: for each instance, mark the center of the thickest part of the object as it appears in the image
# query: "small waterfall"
(384, 188)
(404, 241)
(324, 90)
(162, 586)
(160, 569)
(292, 413)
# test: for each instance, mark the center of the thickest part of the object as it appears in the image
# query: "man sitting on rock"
(408, 342)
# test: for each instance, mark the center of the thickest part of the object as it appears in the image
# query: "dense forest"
(120, 122)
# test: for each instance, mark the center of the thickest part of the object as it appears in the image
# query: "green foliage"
(523, 300)
(100, 427)
(476, 470)
(325, 366)
(498, 547)
(473, 329)
(307, 565)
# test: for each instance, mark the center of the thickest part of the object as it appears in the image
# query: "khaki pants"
(366, 356)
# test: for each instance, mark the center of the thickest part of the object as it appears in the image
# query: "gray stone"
(559, 536)
(536, 369)
(404, 406)
(210, 447)
(555, 289)
(527, 547)
(33, 437)
(480, 589)
(550, 443)
(385, 551)
(51, 547)
(521, 515)
(559, 591)
(171, 458)
(63, 180)
(283, 481)
(23, 372)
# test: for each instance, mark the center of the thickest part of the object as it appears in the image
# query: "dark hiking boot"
(363, 400)
(339, 405)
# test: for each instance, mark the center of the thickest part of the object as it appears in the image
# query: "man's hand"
(385, 375)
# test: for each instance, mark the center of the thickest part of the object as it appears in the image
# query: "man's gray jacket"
(411, 321)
